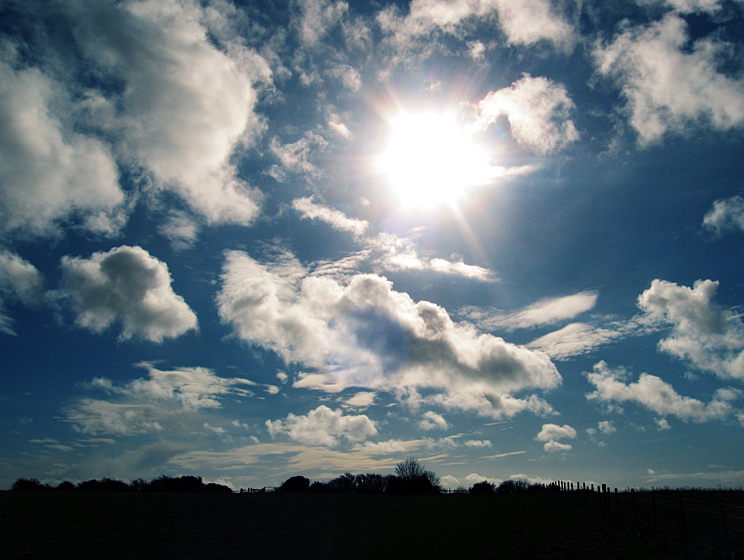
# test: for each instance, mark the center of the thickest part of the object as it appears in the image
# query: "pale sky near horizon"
(253, 240)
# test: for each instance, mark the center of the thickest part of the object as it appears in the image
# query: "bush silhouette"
(28, 485)
(482, 488)
(513, 487)
(295, 484)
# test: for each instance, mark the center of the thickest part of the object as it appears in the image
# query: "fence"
(696, 524)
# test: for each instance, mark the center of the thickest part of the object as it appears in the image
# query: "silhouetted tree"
(28, 485)
(483, 487)
(412, 478)
(214, 488)
(65, 486)
(370, 484)
(344, 484)
(513, 487)
(295, 484)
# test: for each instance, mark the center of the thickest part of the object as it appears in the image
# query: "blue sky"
(254, 240)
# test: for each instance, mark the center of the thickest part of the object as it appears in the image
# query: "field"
(307, 526)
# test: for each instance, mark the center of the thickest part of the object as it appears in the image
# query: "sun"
(430, 159)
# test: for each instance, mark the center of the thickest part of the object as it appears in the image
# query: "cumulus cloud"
(670, 84)
(477, 443)
(323, 426)
(295, 158)
(523, 23)
(183, 102)
(433, 421)
(363, 333)
(707, 335)
(337, 219)
(653, 393)
(538, 111)
(550, 433)
(125, 285)
(726, 215)
(163, 400)
(48, 172)
(19, 280)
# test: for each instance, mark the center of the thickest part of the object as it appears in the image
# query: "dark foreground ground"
(79, 525)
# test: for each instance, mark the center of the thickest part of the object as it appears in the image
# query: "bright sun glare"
(430, 159)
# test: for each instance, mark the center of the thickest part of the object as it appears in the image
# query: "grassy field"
(306, 526)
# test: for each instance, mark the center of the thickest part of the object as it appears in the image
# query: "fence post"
(682, 528)
(724, 529)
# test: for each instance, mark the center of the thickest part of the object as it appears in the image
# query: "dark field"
(306, 526)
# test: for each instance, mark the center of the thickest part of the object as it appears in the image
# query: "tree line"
(411, 477)
(190, 484)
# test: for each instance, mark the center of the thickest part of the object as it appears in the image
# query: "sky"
(254, 240)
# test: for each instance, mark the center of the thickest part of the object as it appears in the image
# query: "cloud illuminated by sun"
(430, 159)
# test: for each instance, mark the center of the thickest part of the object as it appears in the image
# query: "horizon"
(257, 240)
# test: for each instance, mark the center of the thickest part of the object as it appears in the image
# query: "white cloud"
(668, 83)
(554, 431)
(20, 279)
(295, 158)
(523, 23)
(337, 219)
(707, 335)
(607, 427)
(433, 421)
(574, 340)
(653, 393)
(365, 334)
(550, 433)
(478, 444)
(544, 312)
(183, 102)
(324, 427)
(165, 400)
(689, 6)
(181, 229)
(726, 215)
(538, 111)
(318, 17)
(48, 172)
(362, 399)
(125, 285)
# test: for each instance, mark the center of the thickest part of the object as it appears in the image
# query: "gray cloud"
(19, 280)
(726, 215)
(125, 285)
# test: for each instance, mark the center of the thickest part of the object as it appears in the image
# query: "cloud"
(362, 399)
(726, 215)
(669, 83)
(338, 220)
(181, 229)
(523, 23)
(544, 312)
(48, 172)
(295, 157)
(125, 285)
(362, 333)
(19, 280)
(165, 400)
(572, 340)
(433, 421)
(318, 17)
(707, 335)
(168, 98)
(324, 427)
(653, 393)
(477, 444)
(538, 111)
(607, 427)
(550, 433)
